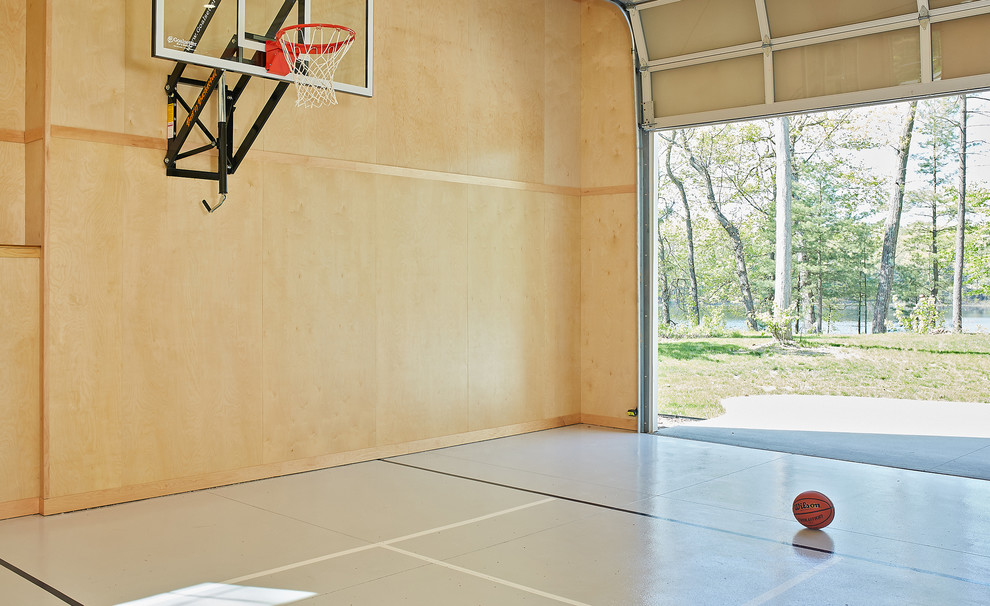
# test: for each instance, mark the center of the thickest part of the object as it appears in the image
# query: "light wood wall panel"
(88, 45)
(507, 298)
(13, 31)
(190, 323)
(20, 382)
(34, 193)
(508, 87)
(609, 333)
(608, 305)
(328, 311)
(422, 320)
(608, 121)
(319, 312)
(35, 66)
(83, 332)
(13, 28)
(11, 193)
(562, 305)
(143, 82)
(562, 111)
(422, 85)
(35, 104)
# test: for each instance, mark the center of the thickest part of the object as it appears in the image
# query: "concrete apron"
(941, 437)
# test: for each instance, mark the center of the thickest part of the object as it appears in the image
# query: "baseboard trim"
(19, 508)
(628, 423)
(113, 496)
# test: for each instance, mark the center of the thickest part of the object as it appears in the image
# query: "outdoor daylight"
(844, 253)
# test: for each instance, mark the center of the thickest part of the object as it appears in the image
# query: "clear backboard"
(231, 34)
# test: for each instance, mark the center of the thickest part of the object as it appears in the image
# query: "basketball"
(813, 509)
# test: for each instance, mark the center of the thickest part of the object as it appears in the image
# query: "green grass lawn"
(696, 373)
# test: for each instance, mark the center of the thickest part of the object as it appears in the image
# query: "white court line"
(385, 544)
(801, 578)
(265, 573)
(486, 577)
(466, 522)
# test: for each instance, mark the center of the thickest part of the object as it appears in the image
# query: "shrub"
(925, 318)
(779, 322)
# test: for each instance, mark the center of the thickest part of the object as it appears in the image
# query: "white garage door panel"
(716, 60)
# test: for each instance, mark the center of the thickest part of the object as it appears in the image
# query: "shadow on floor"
(958, 456)
(950, 438)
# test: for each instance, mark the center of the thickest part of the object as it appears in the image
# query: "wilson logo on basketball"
(801, 506)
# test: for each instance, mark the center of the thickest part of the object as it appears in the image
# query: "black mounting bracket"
(229, 158)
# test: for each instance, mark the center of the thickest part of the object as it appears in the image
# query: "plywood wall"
(20, 381)
(13, 26)
(396, 273)
(12, 190)
(20, 283)
(13, 30)
(608, 220)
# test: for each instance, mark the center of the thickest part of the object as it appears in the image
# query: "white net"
(313, 53)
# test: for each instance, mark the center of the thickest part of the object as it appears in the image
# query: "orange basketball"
(813, 509)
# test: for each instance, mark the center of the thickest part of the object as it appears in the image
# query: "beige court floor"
(577, 515)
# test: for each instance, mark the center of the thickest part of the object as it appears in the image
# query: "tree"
(782, 282)
(695, 311)
(833, 193)
(892, 224)
(702, 168)
(662, 247)
(958, 265)
(938, 151)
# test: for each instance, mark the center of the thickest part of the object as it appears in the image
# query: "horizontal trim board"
(8, 251)
(101, 136)
(415, 173)
(11, 136)
(652, 4)
(856, 30)
(34, 134)
(628, 423)
(721, 54)
(113, 496)
(959, 11)
(20, 508)
(609, 190)
(113, 138)
(815, 104)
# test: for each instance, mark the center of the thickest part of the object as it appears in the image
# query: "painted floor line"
(726, 531)
(39, 583)
(386, 544)
(486, 577)
(787, 586)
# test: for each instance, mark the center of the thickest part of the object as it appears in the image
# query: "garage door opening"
(887, 288)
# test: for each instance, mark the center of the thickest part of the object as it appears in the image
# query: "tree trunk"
(957, 274)
(859, 313)
(807, 297)
(800, 306)
(782, 273)
(737, 246)
(934, 248)
(664, 283)
(885, 275)
(821, 290)
(695, 310)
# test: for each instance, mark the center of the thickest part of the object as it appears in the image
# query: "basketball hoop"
(310, 54)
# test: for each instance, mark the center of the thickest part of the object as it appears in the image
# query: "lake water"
(975, 319)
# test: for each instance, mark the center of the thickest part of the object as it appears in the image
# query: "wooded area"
(871, 213)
